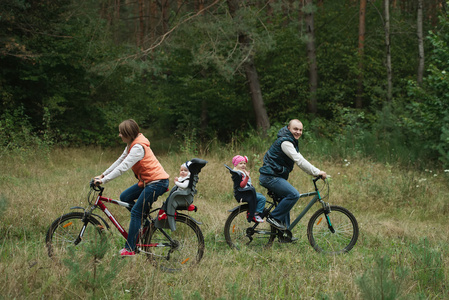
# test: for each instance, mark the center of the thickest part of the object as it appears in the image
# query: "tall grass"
(402, 214)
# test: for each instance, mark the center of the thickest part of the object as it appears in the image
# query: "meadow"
(402, 251)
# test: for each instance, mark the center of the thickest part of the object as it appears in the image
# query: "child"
(184, 177)
(181, 182)
(239, 163)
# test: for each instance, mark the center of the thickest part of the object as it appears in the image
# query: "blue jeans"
(145, 197)
(286, 191)
(260, 202)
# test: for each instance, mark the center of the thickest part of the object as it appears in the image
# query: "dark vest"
(276, 162)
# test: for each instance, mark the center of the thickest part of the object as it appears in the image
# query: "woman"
(152, 178)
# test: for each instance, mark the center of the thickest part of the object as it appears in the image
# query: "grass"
(401, 252)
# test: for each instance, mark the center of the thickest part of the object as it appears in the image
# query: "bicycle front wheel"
(175, 250)
(62, 238)
(335, 235)
(239, 232)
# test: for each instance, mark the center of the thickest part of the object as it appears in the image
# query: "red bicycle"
(171, 240)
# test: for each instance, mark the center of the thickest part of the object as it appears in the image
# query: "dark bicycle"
(332, 229)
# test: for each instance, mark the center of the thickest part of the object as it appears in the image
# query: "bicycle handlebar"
(316, 179)
(94, 186)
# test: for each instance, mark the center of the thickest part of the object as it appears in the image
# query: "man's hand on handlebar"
(323, 175)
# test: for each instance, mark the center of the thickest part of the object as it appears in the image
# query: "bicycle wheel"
(175, 250)
(238, 232)
(61, 239)
(344, 237)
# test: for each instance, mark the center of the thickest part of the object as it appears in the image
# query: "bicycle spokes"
(175, 250)
(333, 232)
(240, 233)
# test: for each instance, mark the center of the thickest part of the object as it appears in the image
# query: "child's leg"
(260, 202)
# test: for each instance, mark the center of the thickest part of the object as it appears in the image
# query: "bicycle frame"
(314, 200)
(100, 203)
(307, 208)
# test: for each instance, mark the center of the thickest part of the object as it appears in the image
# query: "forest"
(367, 74)
(211, 79)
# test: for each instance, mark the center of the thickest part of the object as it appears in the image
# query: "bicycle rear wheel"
(344, 237)
(238, 232)
(175, 250)
(62, 236)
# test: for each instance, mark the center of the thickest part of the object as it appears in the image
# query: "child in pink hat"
(239, 163)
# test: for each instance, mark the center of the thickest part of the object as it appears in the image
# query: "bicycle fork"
(86, 217)
(327, 211)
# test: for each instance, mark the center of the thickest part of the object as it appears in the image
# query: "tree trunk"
(165, 15)
(153, 20)
(204, 118)
(117, 11)
(204, 107)
(361, 52)
(270, 11)
(311, 57)
(301, 17)
(388, 51)
(200, 5)
(262, 121)
(141, 24)
(420, 42)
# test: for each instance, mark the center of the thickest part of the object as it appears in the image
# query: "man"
(278, 162)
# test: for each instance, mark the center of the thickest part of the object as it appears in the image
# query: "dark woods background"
(365, 75)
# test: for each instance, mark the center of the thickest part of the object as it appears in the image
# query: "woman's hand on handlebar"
(97, 180)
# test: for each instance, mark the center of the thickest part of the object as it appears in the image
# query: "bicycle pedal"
(286, 240)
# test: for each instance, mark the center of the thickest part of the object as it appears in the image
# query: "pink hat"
(238, 158)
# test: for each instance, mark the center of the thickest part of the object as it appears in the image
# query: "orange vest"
(148, 168)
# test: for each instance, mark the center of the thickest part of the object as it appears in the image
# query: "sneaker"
(275, 223)
(126, 252)
(258, 219)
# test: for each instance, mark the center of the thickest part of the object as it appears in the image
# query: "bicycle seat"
(181, 199)
(274, 196)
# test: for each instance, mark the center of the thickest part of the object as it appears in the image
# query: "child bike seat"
(180, 199)
(246, 194)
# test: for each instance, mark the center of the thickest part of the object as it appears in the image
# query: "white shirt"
(183, 182)
(124, 162)
(289, 150)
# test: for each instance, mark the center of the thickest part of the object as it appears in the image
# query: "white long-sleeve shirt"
(289, 150)
(124, 162)
(183, 182)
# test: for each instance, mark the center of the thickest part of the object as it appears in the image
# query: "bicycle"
(171, 240)
(332, 229)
